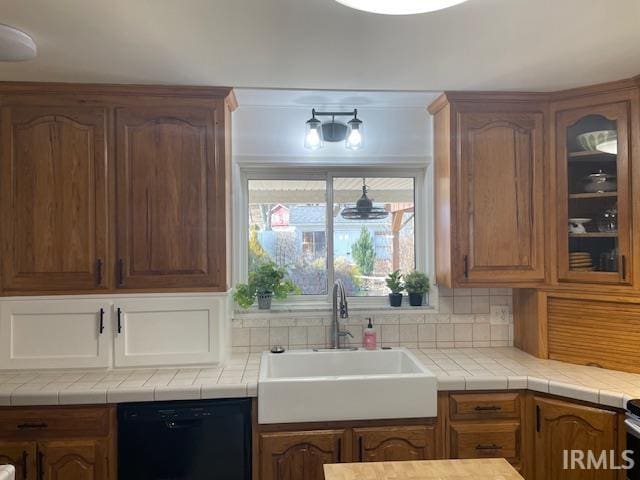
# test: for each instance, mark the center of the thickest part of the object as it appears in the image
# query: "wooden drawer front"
(593, 332)
(472, 406)
(54, 421)
(482, 440)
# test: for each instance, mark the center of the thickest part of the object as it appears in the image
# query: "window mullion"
(329, 228)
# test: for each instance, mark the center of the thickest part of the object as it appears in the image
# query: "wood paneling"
(170, 232)
(529, 321)
(22, 455)
(567, 426)
(589, 331)
(500, 194)
(477, 406)
(54, 197)
(300, 455)
(486, 440)
(388, 444)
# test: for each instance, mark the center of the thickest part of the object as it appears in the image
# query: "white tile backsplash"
(466, 317)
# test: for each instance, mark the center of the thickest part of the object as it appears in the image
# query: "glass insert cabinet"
(594, 195)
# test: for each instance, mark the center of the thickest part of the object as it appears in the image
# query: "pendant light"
(364, 209)
(355, 138)
(400, 7)
(15, 45)
(313, 135)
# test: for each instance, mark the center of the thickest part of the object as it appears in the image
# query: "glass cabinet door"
(594, 217)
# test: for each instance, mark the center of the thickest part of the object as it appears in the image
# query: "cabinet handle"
(623, 261)
(101, 327)
(121, 272)
(360, 449)
(492, 446)
(40, 465)
(24, 464)
(490, 408)
(99, 272)
(32, 426)
(537, 418)
(119, 320)
(466, 266)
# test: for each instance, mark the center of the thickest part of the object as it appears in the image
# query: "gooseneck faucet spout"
(340, 310)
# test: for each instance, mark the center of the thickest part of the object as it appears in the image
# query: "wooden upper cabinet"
(489, 182)
(170, 192)
(594, 220)
(394, 444)
(564, 426)
(300, 455)
(54, 198)
(500, 197)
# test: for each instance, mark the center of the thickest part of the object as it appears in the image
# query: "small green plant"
(394, 282)
(416, 282)
(266, 278)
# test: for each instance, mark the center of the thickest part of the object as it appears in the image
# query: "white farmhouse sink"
(313, 386)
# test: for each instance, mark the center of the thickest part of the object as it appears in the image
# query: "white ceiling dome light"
(15, 45)
(400, 7)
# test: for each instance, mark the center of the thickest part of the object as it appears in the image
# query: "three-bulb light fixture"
(317, 132)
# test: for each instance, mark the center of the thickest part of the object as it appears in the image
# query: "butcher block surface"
(483, 469)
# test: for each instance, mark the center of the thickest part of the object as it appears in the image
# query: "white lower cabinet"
(169, 331)
(114, 331)
(55, 333)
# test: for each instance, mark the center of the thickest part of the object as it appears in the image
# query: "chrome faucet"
(336, 333)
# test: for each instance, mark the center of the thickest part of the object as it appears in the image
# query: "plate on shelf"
(589, 141)
(576, 225)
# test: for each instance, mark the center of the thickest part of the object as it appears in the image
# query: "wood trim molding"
(39, 88)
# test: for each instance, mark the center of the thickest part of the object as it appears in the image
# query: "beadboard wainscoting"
(463, 318)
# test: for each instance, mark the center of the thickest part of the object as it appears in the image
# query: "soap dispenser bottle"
(369, 340)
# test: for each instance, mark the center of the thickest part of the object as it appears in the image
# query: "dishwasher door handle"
(182, 424)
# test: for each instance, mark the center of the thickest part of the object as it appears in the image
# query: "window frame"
(423, 220)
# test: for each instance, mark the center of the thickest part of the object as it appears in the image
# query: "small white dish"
(577, 225)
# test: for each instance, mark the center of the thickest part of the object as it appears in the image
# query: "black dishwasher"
(186, 440)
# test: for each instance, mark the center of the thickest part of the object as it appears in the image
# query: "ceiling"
(321, 44)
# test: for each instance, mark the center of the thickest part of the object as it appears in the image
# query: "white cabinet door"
(55, 333)
(169, 330)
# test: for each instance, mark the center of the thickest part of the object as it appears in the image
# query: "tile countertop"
(457, 369)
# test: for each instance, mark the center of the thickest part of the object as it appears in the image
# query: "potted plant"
(417, 284)
(394, 282)
(266, 281)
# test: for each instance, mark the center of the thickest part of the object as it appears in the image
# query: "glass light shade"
(313, 136)
(355, 135)
(400, 7)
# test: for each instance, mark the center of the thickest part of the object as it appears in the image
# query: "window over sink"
(309, 223)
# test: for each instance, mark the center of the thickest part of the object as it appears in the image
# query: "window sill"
(324, 309)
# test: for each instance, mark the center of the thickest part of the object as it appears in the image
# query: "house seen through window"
(291, 222)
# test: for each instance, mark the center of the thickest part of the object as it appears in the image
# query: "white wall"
(269, 127)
